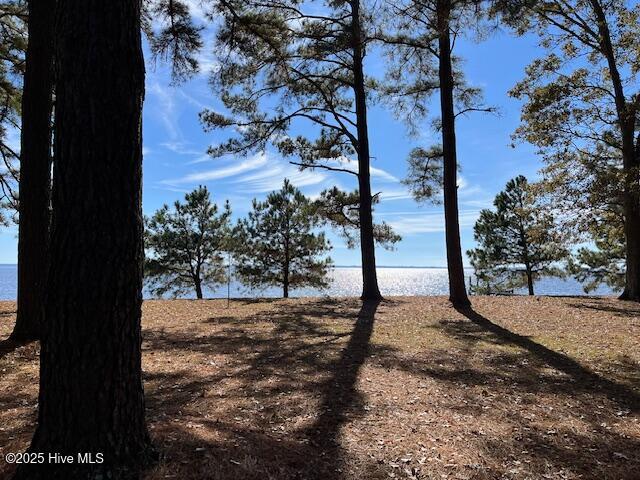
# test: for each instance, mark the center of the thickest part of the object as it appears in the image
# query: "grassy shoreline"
(520, 388)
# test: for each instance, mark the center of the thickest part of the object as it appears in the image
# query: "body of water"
(346, 282)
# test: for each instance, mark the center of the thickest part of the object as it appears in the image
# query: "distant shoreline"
(335, 266)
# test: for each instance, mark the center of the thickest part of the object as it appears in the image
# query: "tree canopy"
(13, 44)
(186, 245)
(276, 245)
(581, 111)
(517, 243)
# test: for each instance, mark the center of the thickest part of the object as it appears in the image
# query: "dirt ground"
(328, 389)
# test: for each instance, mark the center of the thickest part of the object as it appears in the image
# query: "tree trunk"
(631, 206)
(198, 284)
(370, 290)
(457, 287)
(91, 396)
(287, 263)
(530, 280)
(631, 209)
(35, 172)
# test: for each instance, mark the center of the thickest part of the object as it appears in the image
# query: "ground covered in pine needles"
(519, 388)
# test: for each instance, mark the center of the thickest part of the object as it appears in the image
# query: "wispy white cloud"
(379, 173)
(394, 194)
(230, 170)
(429, 222)
(165, 109)
(271, 178)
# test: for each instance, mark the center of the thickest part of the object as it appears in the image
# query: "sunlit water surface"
(347, 282)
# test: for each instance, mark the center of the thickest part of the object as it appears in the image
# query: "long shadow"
(615, 391)
(339, 393)
(280, 374)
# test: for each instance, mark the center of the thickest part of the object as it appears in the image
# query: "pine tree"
(13, 44)
(91, 396)
(176, 40)
(518, 242)
(276, 244)
(582, 106)
(419, 38)
(35, 172)
(186, 244)
(604, 264)
(287, 64)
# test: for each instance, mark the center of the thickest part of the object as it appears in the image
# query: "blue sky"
(175, 159)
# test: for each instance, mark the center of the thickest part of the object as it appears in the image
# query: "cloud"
(429, 222)
(165, 107)
(395, 194)
(344, 162)
(233, 169)
(271, 178)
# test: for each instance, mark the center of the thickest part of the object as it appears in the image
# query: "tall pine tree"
(35, 172)
(420, 37)
(91, 396)
(288, 64)
(13, 43)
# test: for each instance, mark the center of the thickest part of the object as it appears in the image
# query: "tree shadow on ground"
(622, 308)
(583, 377)
(276, 407)
(558, 418)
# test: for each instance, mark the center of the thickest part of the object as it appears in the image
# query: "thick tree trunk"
(91, 396)
(35, 172)
(457, 287)
(370, 290)
(631, 206)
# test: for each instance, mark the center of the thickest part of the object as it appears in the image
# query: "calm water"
(346, 282)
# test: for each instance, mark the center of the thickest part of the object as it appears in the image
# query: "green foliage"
(425, 174)
(13, 44)
(286, 64)
(185, 245)
(581, 103)
(276, 244)
(410, 36)
(340, 210)
(606, 263)
(518, 242)
(172, 35)
(294, 64)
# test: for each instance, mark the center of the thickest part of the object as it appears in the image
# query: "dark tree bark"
(529, 279)
(370, 290)
(631, 207)
(35, 172)
(198, 284)
(457, 287)
(91, 396)
(287, 262)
